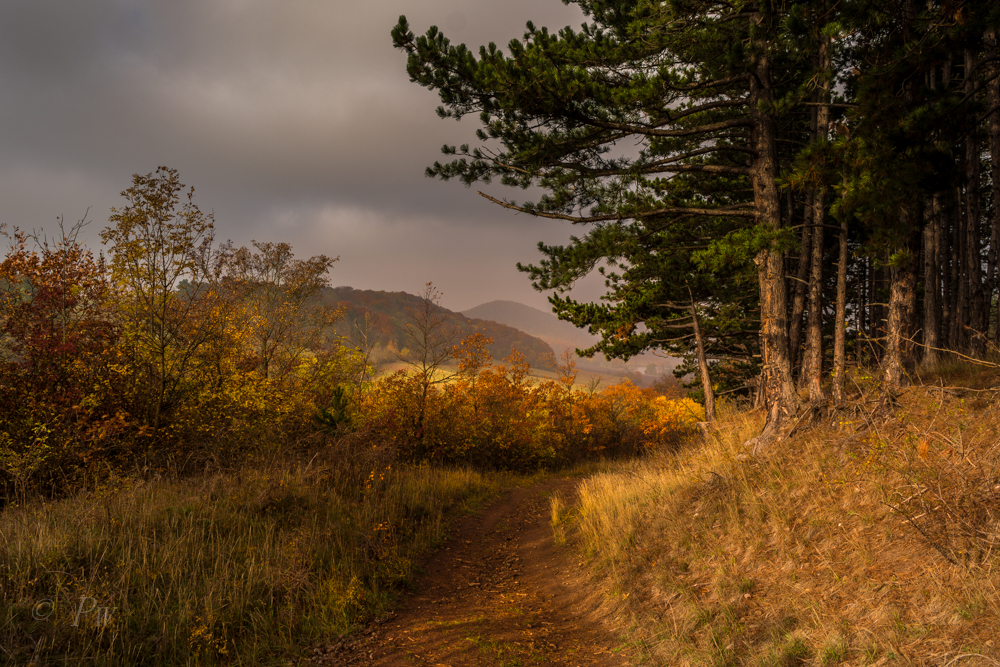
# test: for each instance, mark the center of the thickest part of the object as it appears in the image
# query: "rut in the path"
(499, 593)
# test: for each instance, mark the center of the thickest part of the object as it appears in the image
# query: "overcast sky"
(294, 120)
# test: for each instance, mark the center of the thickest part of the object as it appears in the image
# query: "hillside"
(548, 327)
(867, 538)
(391, 311)
(561, 335)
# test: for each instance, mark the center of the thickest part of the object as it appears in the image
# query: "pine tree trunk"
(813, 368)
(932, 271)
(881, 298)
(957, 282)
(944, 253)
(977, 304)
(779, 391)
(993, 101)
(706, 380)
(903, 271)
(840, 320)
(862, 299)
(898, 364)
(873, 332)
(800, 285)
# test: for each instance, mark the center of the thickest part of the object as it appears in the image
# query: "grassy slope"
(585, 379)
(868, 539)
(243, 568)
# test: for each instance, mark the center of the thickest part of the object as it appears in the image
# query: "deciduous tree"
(157, 241)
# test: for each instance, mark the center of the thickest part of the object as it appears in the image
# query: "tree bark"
(862, 299)
(779, 391)
(993, 101)
(932, 283)
(958, 284)
(899, 358)
(799, 291)
(977, 305)
(812, 370)
(944, 252)
(840, 320)
(873, 331)
(902, 306)
(706, 380)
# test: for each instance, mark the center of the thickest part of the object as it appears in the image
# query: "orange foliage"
(58, 403)
(495, 416)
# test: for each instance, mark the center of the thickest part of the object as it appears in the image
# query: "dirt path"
(499, 593)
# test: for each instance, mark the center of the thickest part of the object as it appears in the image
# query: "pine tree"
(701, 88)
(703, 145)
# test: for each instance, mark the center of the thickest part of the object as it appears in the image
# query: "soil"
(500, 592)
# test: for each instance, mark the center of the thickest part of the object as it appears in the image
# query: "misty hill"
(391, 311)
(561, 335)
(548, 327)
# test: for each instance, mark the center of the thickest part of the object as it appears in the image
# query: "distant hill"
(391, 311)
(560, 335)
(548, 327)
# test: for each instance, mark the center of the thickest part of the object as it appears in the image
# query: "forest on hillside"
(776, 191)
(381, 318)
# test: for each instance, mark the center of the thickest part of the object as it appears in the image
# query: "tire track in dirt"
(500, 592)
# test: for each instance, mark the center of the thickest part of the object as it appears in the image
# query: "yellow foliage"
(493, 416)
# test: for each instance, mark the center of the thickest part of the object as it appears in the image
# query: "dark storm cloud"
(294, 120)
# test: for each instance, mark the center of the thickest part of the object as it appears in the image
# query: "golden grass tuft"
(865, 541)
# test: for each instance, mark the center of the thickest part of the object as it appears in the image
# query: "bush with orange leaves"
(495, 416)
(627, 421)
(58, 374)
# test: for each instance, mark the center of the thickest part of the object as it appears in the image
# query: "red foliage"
(56, 335)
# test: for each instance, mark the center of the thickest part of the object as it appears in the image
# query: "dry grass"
(246, 568)
(865, 541)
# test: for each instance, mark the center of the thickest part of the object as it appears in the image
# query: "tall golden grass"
(865, 540)
(244, 568)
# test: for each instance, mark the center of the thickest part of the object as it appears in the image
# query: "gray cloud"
(295, 121)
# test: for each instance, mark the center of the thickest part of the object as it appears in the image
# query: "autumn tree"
(162, 265)
(282, 316)
(57, 333)
(430, 345)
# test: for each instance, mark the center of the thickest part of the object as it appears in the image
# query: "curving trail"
(500, 592)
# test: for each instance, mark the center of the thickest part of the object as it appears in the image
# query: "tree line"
(772, 189)
(176, 353)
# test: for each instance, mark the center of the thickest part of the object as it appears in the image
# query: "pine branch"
(724, 212)
(652, 131)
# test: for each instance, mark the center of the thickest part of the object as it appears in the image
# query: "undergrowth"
(868, 539)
